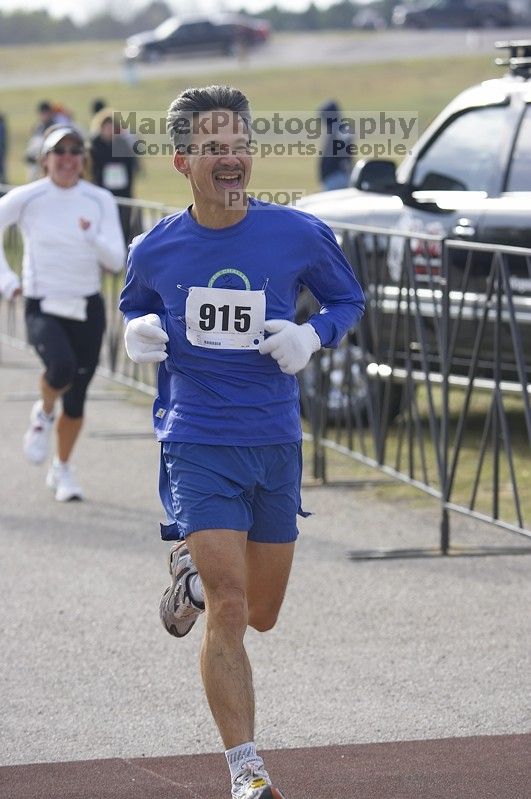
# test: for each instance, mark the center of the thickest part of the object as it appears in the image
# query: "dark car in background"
(246, 30)
(221, 34)
(467, 179)
(454, 14)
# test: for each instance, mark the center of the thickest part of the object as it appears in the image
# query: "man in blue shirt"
(210, 294)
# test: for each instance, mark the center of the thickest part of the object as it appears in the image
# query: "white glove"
(145, 339)
(290, 345)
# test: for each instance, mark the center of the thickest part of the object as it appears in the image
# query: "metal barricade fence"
(433, 388)
(443, 327)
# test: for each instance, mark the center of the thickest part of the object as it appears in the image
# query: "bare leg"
(219, 556)
(244, 583)
(68, 430)
(49, 395)
(268, 570)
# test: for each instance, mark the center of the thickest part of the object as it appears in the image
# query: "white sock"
(239, 755)
(196, 589)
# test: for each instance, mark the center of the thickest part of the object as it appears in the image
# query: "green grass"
(341, 467)
(422, 87)
(24, 60)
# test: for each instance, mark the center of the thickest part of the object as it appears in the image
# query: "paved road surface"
(303, 49)
(364, 653)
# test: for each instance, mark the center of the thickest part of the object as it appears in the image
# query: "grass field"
(422, 87)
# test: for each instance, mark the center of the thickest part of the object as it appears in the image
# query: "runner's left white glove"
(290, 345)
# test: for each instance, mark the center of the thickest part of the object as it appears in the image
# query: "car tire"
(336, 390)
(152, 57)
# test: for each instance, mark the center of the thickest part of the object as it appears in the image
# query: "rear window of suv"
(464, 156)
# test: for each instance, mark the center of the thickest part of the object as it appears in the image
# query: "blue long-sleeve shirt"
(236, 396)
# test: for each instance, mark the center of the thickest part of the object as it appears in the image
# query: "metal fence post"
(444, 442)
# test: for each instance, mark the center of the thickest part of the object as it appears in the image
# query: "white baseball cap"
(56, 134)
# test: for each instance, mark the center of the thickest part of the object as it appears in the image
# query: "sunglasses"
(59, 150)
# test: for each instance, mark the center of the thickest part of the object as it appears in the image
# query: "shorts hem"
(259, 538)
(177, 531)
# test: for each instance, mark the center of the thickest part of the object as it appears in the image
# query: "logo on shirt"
(229, 279)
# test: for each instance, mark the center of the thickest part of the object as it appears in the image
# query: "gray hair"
(191, 102)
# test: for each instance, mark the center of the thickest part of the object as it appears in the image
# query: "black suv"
(467, 179)
(454, 14)
(220, 34)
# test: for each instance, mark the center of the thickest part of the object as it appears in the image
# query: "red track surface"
(490, 767)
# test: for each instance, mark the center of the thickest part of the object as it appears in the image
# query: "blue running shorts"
(253, 489)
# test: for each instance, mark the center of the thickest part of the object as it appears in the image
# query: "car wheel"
(337, 390)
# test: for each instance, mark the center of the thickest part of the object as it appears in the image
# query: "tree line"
(39, 27)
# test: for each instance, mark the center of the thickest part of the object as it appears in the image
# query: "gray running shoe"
(253, 782)
(178, 611)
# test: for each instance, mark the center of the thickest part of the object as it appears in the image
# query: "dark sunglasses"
(59, 150)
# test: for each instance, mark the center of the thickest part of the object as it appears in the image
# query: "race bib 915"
(225, 319)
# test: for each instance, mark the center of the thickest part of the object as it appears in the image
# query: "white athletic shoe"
(178, 611)
(37, 437)
(253, 782)
(61, 480)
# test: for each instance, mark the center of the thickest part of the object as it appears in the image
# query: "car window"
(463, 157)
(520, 172)
(199, 31)
(167, 28)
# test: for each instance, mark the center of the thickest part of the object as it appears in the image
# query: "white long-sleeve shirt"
(60, 258)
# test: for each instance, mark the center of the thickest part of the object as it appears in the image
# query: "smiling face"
(218, 167)
(64, 163)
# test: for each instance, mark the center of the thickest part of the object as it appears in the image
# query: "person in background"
(34, 146)
(335, 162)
(70, 230)
(49, 114)
(203, 289)
(62, 115)
(113, 164)
(97, 104)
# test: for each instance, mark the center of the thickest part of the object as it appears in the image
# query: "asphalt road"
(283, 50)
(364, 651)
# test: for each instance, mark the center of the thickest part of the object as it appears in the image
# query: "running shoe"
(61, 480)
(37, 437)
(253, 782)
(178, 610)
